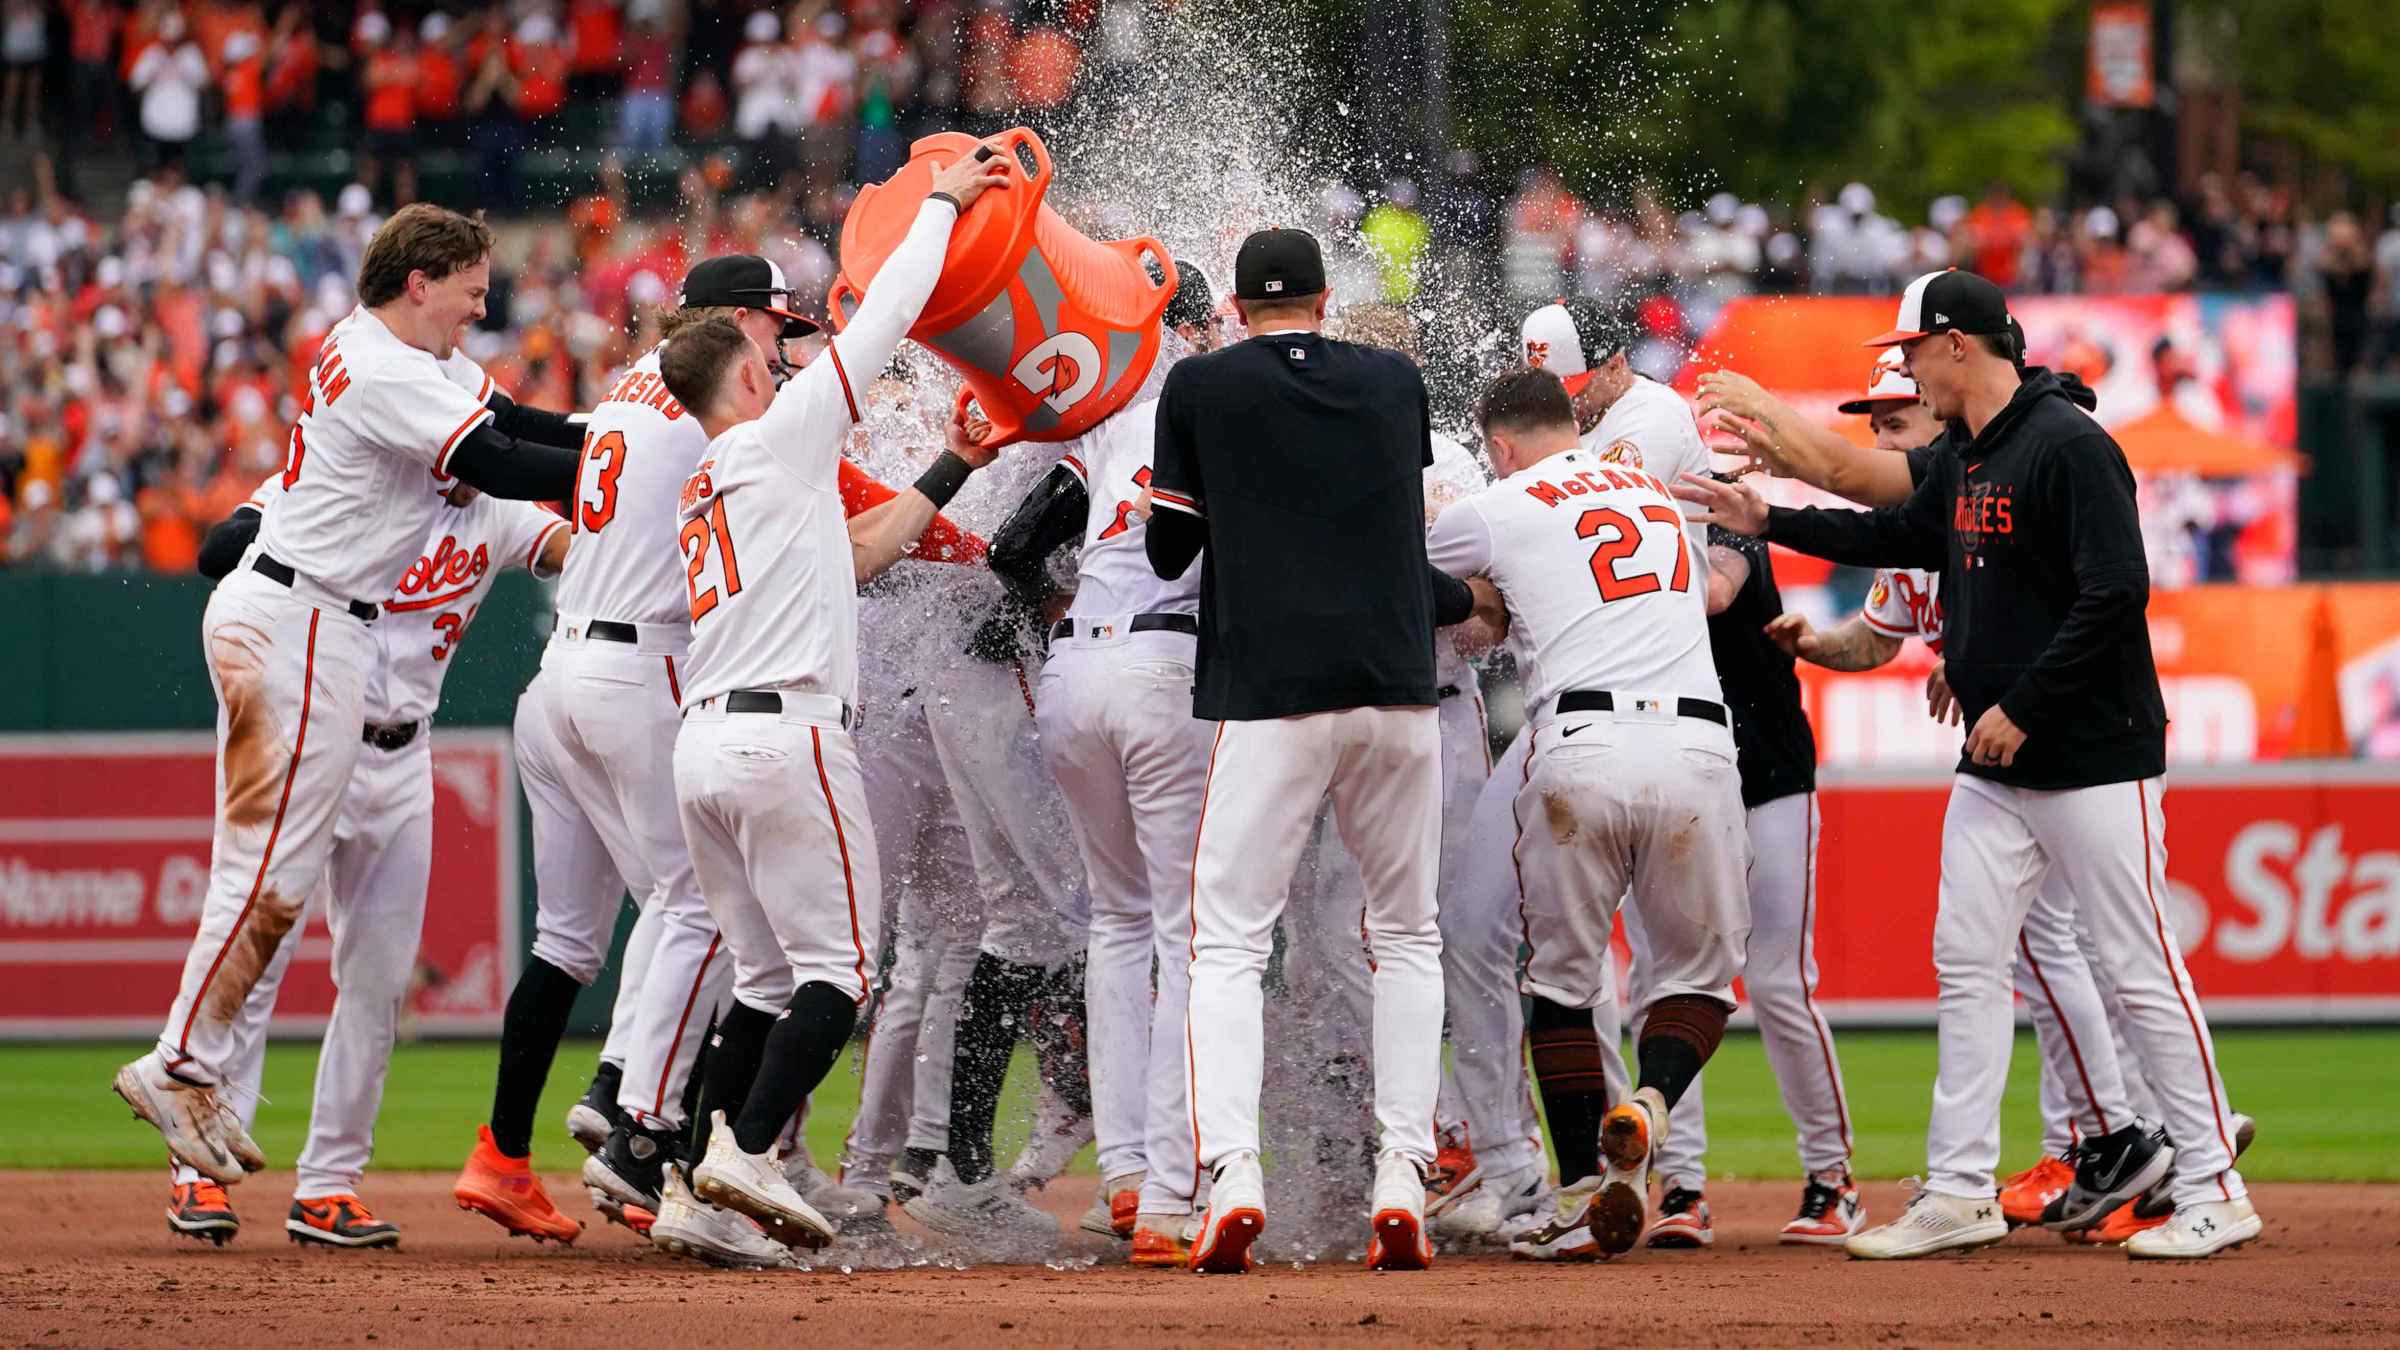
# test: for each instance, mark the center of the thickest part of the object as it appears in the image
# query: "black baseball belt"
(1600, 700)
(390, 735)
(283, 574)
(769, 701)
(609, 630)
(1139, 623)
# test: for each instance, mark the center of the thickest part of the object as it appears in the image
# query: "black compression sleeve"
(943, 478)
(539, 425)
(1051, 514)
(518, 471)
(1452, 601)
(227, 540)
(1172, 541)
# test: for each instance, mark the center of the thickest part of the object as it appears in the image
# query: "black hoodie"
(2044, 585)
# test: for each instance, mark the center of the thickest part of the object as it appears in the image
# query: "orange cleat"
(2025, 1195)
(2125, 1221)
(505, 1190)
(339, 1221)
(1452, 1164)
(199, 1209)
(1160, 1247)
(1123, 1208)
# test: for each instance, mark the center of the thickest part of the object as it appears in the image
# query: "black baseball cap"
(1194, 298)
(1948, 301)
(1278, 264)
(747, 281)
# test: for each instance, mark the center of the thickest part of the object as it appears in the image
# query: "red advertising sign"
(104, 844)
(2118, 73)
(2283, 886)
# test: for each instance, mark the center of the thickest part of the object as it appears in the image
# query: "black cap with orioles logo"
(1949, 301)
(746, 281)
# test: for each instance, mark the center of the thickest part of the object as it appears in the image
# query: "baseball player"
(2029, 510)
(766, 775)
(1630, 777)
(288, 640)
(373, 894)
(1113, 705)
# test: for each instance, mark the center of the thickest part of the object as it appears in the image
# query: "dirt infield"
(85, 1259)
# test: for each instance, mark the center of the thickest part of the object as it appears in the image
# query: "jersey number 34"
(1625, 536)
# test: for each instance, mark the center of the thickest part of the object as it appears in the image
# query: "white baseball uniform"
(1609, 597)
(1651, 428)
(1114, 705)
(772, 802)
(291, 663)
(2085, 1088)
(596, 743)
(373, 894)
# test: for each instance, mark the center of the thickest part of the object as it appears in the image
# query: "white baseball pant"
(290, 679)
(2108, 846)
(640, 941)
(1780, 977)
(1131, 762)
(1036, 911)
(1483, 932)
(2082, 1087)
(930, 910)
(775, 813)
(610, 714)
(372, 897)
(1381, 767)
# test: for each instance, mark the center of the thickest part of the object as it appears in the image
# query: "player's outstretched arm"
(1850, 645)
(538, 425)
(906, 280)
(1054, 512)
(514, 470)
(882, 535)
(1788, 445)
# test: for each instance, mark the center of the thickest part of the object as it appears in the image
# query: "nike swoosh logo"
(1572, 730)
(1974, 466)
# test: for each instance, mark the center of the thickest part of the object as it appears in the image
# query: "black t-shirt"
(1305, 459)
(1777, 748)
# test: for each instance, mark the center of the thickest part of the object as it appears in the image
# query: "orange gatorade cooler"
(1051, 330)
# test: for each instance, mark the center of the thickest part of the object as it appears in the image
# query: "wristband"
(946, 197)
(943, 478)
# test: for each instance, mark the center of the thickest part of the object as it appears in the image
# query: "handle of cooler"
(836, 296)
(1007, 425)
(1009, 142)
(1161, 287)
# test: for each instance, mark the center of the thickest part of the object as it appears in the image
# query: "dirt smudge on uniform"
(1679, 843)
(255, 759)
(247, 955)
(1560, 814)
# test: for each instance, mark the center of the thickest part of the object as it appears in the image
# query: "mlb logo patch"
(1104, 630)
(1274, 287)
(1649, 705)
(1299, 354)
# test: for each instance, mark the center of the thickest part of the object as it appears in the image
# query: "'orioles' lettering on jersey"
(1603, 588)
(1906, 602)
(639, 447)
(377, 414)
(1114, 579)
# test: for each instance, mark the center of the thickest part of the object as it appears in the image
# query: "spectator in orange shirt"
(244, 80)
(1997, 230)
(441, 82)
(390, 85)
(595, 35)
(647, 110)
(291, 85)
(539, 61)
(92, 42)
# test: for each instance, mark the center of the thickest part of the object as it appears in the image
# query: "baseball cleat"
(915, 1171)
(687, 1227)
(1628, 1134)
(2024, 1196)
(505, 1190)
(1237, 1214)
(854, 1209)
(1566, 1234)
(591, 1118)
(1059, 1133)
(1829, 1211)
(339, 1221)
(1397, 1236)
(631, 1166)
(616, 1211)
(2110, 1171)
(1163, 1240)
(751, 1184)
(1453, 1176)
(201, 1131)
(2197, 1230)
(2245, 1130)
(1932, 1223)
(199, 1210)
(1682, 1220)
(992, 1207)
(2139, 1217)
(1489, 1200)
(1115, 1207)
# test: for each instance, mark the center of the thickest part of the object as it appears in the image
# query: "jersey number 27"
(1625, 539)
(699, 534)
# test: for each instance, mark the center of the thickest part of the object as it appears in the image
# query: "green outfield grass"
(2324, 1111)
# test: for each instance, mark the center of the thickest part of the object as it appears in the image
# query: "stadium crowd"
(149, 354)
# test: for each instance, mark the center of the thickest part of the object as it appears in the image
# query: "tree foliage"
(2321, 78)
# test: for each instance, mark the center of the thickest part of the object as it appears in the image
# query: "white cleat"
(1564, 1234)
(687, 1227)
(2197, 1230)
(1474, 1210)
(1398, 1238)
(751, 1184)
(587, 1126)
(1629, 1137)
(199, 1128)
(1932, 1223)
(1058, 1134)
(1236, 1215)
(855, 1208)
(992, 1208)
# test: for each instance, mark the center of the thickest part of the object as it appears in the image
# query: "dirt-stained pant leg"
(290, 681)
